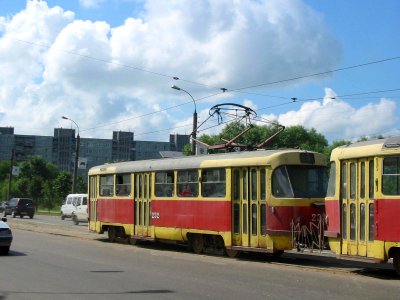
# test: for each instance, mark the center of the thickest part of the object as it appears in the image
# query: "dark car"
(6, 236)
(2, 206)
(19, 207)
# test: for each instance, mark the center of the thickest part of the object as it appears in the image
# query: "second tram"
(363, 201)
(240, 201)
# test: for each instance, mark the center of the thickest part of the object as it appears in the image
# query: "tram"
(237, 201)
(363, 201)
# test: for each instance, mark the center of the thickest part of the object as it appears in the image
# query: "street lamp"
(76, 155)
(194, 118)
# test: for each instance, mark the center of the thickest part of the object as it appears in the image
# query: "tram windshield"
(299, 181)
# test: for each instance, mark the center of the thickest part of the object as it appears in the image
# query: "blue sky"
(109, 64)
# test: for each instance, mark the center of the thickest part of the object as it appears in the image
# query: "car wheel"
(21, 216)
(31, 216)
(4, 249)
(62, 216)
(14, 214)
(75, 220)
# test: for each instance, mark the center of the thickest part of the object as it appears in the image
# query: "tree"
(62, 187)
(35, 172)
(187, 150)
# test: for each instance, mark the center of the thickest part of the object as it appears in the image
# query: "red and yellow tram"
(240, 201)
(363, 201)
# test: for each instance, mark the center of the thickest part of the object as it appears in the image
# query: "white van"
(75, 207)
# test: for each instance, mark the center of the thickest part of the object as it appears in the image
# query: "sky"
(109, 65)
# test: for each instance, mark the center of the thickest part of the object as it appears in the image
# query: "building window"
(164, 184)
(107, 185)
(214, 183)
(188, 183)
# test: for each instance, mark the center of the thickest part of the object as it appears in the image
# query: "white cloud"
(218, 43)
(337, 119)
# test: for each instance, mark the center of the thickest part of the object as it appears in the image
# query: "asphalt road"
(81, 265)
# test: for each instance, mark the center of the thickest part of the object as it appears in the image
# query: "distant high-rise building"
(178, 141)
(60, 148)
(122, 146)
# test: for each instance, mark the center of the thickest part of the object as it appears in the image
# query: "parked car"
(71, 203)
(6, 236)
(19, 207)
(2, 206)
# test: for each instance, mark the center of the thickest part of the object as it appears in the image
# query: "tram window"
(281, 186)
(344, 222)
(391, 176)
(107, 185)
(353, 181)
(213, 183)
(254, 219)
(263, 185)
(244, 191)
(146, 191)
(244, 213)
(188, 183)
(236, 185)
(253, 175)
(236, 218)
(332, 180)
(299, 181)
(263, 219)
(362, 222)
(362, 188)
(123, 185)
(164, 184)
(140, 187)
(371, 179)
(150, 186)
(352, 222)
(371, 223)
(344, 181)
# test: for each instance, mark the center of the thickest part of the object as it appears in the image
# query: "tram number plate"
(155, 215)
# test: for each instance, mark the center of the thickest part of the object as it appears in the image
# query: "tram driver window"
(107, 185)
(391, 176)
(299, 181)
(213, 183)
(164, 184)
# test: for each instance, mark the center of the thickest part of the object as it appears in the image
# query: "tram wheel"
(112, 234)
(396, 262)
(232, 253)
(132, 241)
(197, 243)
(277, 253)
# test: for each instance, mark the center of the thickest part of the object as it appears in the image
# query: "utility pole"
(10, 174)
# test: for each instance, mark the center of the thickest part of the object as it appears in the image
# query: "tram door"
(92, 202)
(357, 193)
(247, 207)
(143, 194)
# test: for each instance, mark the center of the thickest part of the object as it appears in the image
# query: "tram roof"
(375, 147)
(259, 157)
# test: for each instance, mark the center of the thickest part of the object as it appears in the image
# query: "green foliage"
(187, 150)
(81, 186)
